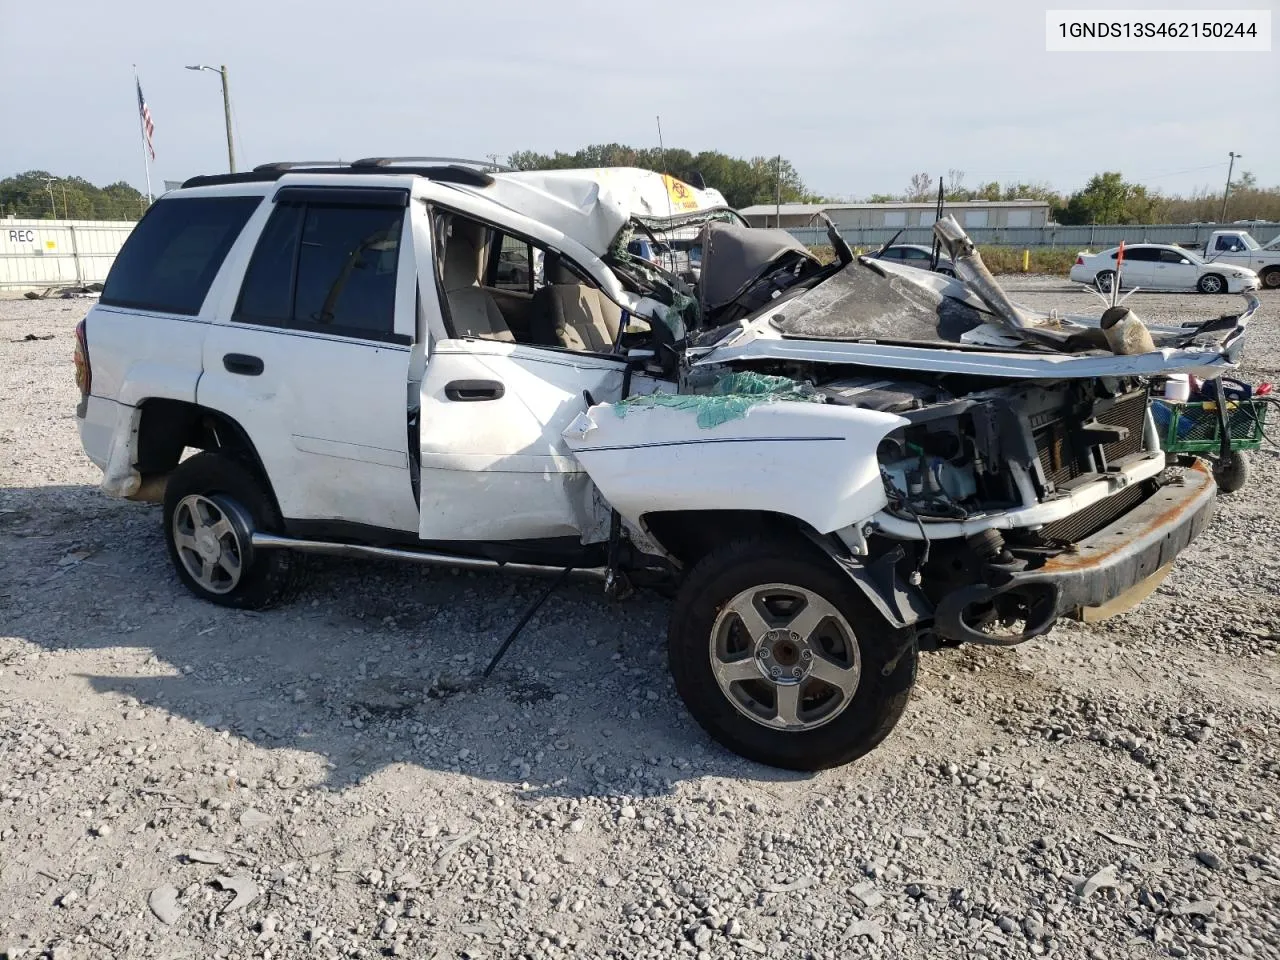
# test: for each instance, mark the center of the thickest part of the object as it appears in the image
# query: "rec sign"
(22, 236)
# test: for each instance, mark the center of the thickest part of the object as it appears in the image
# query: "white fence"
(1074, 238)
(51, 253)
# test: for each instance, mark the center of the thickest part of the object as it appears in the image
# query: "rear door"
(1138, 269)
(310, 355)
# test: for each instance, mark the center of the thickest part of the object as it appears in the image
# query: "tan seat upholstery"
(473, 310)
(582, 317)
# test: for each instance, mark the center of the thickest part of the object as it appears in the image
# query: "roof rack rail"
(267, 172)
(294, 165)
(388, 161)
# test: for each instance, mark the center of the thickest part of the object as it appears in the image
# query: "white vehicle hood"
(591, 206)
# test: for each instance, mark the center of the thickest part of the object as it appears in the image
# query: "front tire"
(1271, 278)
(1212, 283)
(779, 658)
(212, 505)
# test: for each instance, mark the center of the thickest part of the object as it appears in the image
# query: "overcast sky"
(858, 95)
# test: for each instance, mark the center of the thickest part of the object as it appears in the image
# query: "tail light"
(1079, 261)
(84, 373)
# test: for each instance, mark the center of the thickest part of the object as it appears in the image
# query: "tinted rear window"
(169, 261)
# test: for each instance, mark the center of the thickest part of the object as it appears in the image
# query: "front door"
(494, 464)
(312, 357)
(1174, 271)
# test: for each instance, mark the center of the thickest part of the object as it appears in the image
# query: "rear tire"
(1103, 280)
(1212, 283)
(1271, 278)
(832, 700)
(212, 505)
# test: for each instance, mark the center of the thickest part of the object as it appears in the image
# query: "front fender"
(816, 462)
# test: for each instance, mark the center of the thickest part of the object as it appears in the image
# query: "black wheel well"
(689, 535)
(170, 426)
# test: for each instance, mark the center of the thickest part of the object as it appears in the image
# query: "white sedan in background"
(1159, 266)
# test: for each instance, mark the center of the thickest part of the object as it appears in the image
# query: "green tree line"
(37, 195)
(1108, 198)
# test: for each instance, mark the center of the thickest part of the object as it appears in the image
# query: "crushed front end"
(1008, 508)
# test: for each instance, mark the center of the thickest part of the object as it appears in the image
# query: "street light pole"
(226, 109)
(1227, 190)
(48, 185)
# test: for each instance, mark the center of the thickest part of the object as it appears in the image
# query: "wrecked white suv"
(832, 467)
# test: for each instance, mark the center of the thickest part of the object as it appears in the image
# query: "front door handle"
(243, 364)
(466, 391)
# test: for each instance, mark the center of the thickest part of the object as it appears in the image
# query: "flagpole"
(142, 134)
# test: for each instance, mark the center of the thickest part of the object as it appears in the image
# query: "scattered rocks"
(330, 779)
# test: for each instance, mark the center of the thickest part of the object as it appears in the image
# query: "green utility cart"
(1219, 432)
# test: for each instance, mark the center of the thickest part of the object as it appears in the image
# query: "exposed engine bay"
(988, 468)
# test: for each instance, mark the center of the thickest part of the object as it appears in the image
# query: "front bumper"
(1099, 569)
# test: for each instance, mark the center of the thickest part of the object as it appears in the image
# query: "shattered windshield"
(864, 303)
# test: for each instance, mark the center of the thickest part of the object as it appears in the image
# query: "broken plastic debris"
(246, 891)
(1106, 877)
(205, 856)
(253, 818)
(729, 398)
(164, 904)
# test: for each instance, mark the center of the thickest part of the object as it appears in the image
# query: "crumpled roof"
(591, 206)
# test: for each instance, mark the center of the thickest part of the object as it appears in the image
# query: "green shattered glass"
(729, 398)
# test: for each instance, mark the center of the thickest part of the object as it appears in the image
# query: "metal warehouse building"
(972, 214)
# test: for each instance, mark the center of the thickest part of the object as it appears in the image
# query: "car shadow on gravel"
(374, 664)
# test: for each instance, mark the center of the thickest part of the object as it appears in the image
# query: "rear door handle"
(466, 391)
(243, 364)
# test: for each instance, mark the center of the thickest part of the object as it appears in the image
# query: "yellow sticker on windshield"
(680, 193)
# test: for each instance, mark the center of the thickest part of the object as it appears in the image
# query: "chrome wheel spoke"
(221, 528)
(229, 562)
(745, 610)
(807, 620)
(735, 671)
(185, 541)
(787, 710)
(845, 679)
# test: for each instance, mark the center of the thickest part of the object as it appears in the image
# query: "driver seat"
(471, 307)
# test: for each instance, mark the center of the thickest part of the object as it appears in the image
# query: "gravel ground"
(327, 779)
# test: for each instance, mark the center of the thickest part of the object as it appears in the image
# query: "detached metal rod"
(528, 615)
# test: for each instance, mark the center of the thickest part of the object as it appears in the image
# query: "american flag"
(148, 128)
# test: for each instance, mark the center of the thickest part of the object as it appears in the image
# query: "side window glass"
(514, 268)
(346, 278)
(171, 258)
(266, 296)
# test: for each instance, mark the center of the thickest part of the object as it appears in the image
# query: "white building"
(972, 214)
